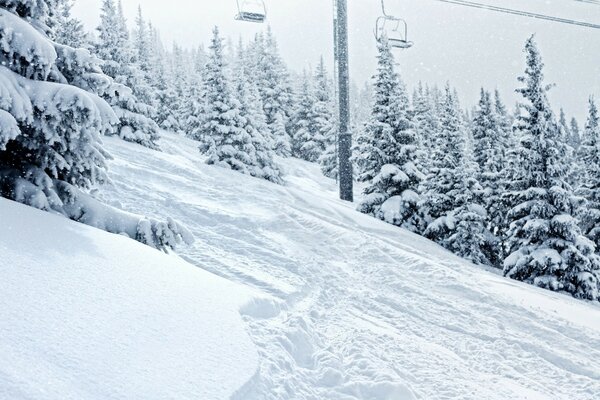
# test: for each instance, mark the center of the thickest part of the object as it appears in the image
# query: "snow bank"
(89, 315)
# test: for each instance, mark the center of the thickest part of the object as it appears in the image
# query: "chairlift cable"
(528, 14)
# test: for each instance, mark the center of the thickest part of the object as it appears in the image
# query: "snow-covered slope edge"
(89, 315)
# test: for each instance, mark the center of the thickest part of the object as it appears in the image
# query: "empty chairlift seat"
(251, 11)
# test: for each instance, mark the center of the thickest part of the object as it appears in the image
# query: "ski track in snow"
(352, 308)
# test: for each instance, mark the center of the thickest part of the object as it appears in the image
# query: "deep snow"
(352, 307)
(89, 315)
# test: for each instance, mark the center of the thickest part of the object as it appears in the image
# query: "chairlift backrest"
(394, 29)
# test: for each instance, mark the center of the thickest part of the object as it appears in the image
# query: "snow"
(89, 315)
(20, 40)
(351, 307)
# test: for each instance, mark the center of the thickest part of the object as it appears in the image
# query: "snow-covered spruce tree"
(178, 108)
(575, 131)
(68, 30)
(489, 153)
(114, 49)
(325, 121)
(305, 144)
(142, 64)
(226, 140)
(388, 150)
(589, 158)
(50, 148)
(273, 83)
(160, 80)
(426, 124)
(50, 131)
(252, 111)
(451, 208)
(546, 245)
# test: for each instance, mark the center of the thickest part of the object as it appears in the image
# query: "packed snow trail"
(354, 308)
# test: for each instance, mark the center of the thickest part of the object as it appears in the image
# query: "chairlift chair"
(251, 11)
(394, 29)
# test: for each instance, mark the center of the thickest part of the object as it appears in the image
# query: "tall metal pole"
(344, 134)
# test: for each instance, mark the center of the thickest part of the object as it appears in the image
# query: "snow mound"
(89, 315)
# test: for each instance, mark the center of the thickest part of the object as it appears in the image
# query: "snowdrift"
(89, 315)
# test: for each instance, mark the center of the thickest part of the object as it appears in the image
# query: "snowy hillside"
(355, 308)
(89, 315)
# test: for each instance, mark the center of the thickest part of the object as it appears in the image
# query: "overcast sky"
(468, 47)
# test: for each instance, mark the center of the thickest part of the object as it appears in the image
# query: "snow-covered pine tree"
(113, 48)
(273, 83)
(388, 150)
(303, 121)
(252, 110)
(589, 158)
(426, 124)
(191, 104)
(451, 206)
(68, 30)
(545, 242)
(225, 140)
(489, 154)
(571, 130)
(575, 130)
(50, 131)
(325, 121)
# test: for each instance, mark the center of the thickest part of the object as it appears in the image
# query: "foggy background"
(468, 47)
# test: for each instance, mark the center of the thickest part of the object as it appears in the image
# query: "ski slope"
(89, 315)
(350, 307)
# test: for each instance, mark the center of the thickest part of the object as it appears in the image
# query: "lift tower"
(344, 135)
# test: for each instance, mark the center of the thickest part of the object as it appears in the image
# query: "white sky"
(468, 47)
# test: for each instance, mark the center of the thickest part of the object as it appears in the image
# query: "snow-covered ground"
(314, 301)
(89, 315)
(349, 307)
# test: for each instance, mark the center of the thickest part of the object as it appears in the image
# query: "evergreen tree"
(489, 154)
(388, 151)
(273, 83)
(226, 140)
(50, 130)
(546, 245)
(325, 122)
(426, 124)
(575, 131)
(113, 47)
(252, 110)
(589, 156)
(451, 206)
(67, 30)
(304, 142)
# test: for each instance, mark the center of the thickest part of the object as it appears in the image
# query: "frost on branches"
(50, 147)
(547, 247)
